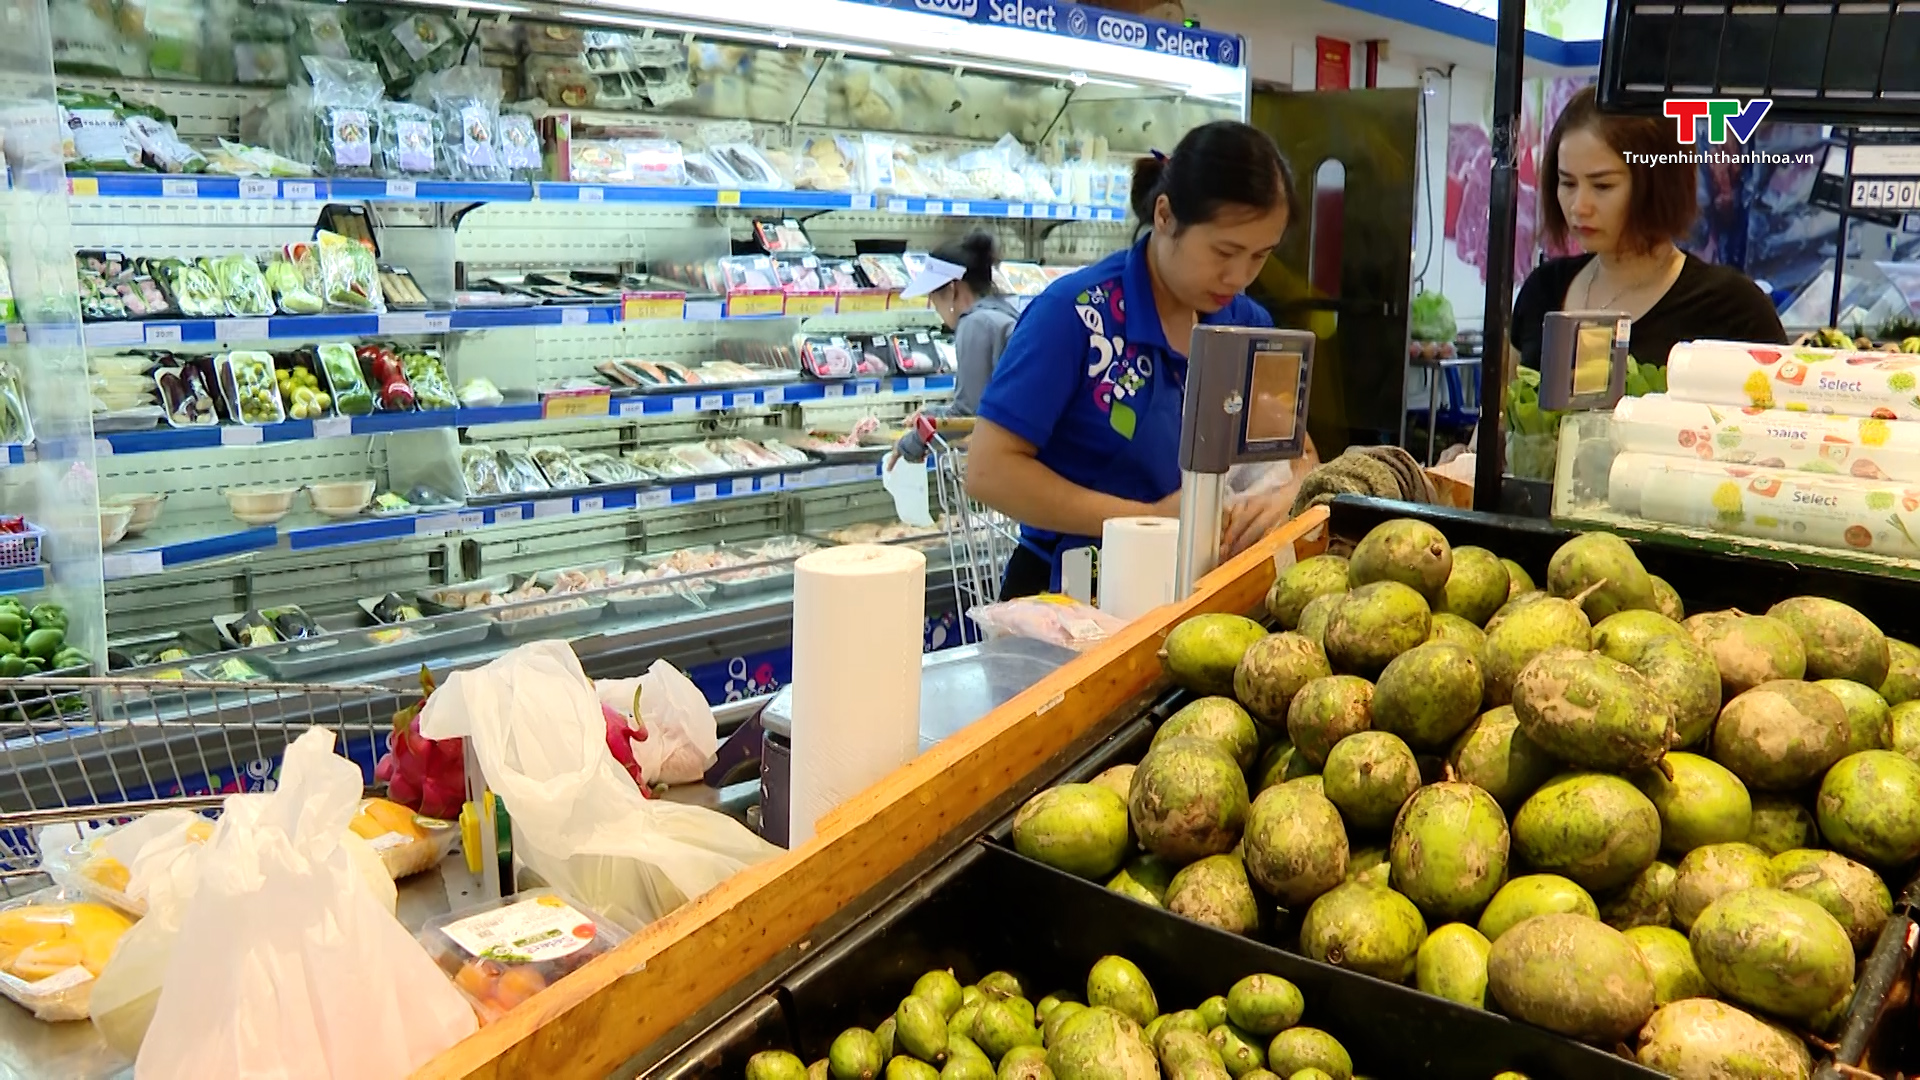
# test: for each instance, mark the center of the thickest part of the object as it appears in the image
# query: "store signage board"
(1059, 19)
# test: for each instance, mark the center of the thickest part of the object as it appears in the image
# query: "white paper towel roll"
(859, 620)
(1837, 381)
(1138, 559)
(1772, 438)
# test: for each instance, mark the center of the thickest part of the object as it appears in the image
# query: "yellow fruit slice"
(48, 958)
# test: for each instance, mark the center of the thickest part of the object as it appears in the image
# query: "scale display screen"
(1593, 360)
(1273, 412)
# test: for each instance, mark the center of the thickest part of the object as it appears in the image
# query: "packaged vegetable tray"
(53, 945)
(344, 381)
(253, 396)
(503, 952)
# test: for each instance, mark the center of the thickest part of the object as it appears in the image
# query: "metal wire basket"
(979, 539)
(96, 751)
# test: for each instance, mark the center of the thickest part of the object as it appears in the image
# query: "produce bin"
(988, 909)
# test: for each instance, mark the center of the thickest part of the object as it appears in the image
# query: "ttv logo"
(1723, 115)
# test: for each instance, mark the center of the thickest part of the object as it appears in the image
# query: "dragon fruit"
(622, 733)
(425, 775)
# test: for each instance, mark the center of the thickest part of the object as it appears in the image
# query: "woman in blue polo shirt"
(1081, 421)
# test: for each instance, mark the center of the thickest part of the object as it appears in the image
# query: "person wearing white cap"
(957, 280)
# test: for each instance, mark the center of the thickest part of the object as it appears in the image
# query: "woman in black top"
(1625, 212)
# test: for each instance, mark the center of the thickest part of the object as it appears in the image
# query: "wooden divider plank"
(599, 1017)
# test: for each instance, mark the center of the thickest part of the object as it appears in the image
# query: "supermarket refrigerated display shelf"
(712, 399)
(216, 535)
(229, 189)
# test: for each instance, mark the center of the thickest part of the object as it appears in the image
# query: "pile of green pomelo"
(1566, 804)
(989, 1031)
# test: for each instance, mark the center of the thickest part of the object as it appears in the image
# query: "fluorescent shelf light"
(477, 5)
(777, 38)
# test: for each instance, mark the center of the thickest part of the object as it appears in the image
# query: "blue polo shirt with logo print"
(1090, 379)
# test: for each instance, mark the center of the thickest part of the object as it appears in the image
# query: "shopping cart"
(88, 752)
(979, 539)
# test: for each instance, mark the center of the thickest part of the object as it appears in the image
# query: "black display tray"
(989, 909)
(1821, 62)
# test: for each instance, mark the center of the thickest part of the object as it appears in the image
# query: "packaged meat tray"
(701, 460)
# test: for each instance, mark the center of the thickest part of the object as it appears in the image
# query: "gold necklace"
(1623, 293)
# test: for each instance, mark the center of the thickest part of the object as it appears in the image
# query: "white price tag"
(712, 402)
(126, 564)
(896, 206)
(241, 435)
(1063, 213)
(545, 508)
(684, 405)
(653, 498)
(436, 525)
(333, 427)
(180, 189)
(773, 395)
(503, 515)
(231, 330)
(1017, 210)
(254, 187)
(591, 503)
(400, 189)
(163, 334)
(113, 333)
(573, 316)
(297, 192)
(471, 519)
(592, 194)
(835, 389)
(917, 382)
(935, 208)
(704, 311)
(793, 480)
(861, 202)
(961, 209)
(705, 492)
(632, 407)
(1083, 213)
(438, 322)
(401, 322)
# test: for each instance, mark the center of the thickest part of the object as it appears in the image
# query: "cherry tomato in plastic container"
(503, 952)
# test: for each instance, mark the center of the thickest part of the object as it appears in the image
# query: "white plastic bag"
(578, 819)
(161, 852)
(286, 965)
(682, 735)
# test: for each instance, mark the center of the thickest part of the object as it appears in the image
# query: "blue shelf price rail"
(118, 565)
(717, 399)
(230, 189)
(24, 579)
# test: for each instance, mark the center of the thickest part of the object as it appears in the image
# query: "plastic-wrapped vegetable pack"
(349, 275)
(468, 101)
(346, 114)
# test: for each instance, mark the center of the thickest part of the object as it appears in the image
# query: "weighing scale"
(1246, 402)
(1583, 360)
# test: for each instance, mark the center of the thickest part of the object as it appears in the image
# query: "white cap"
(933, 275)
